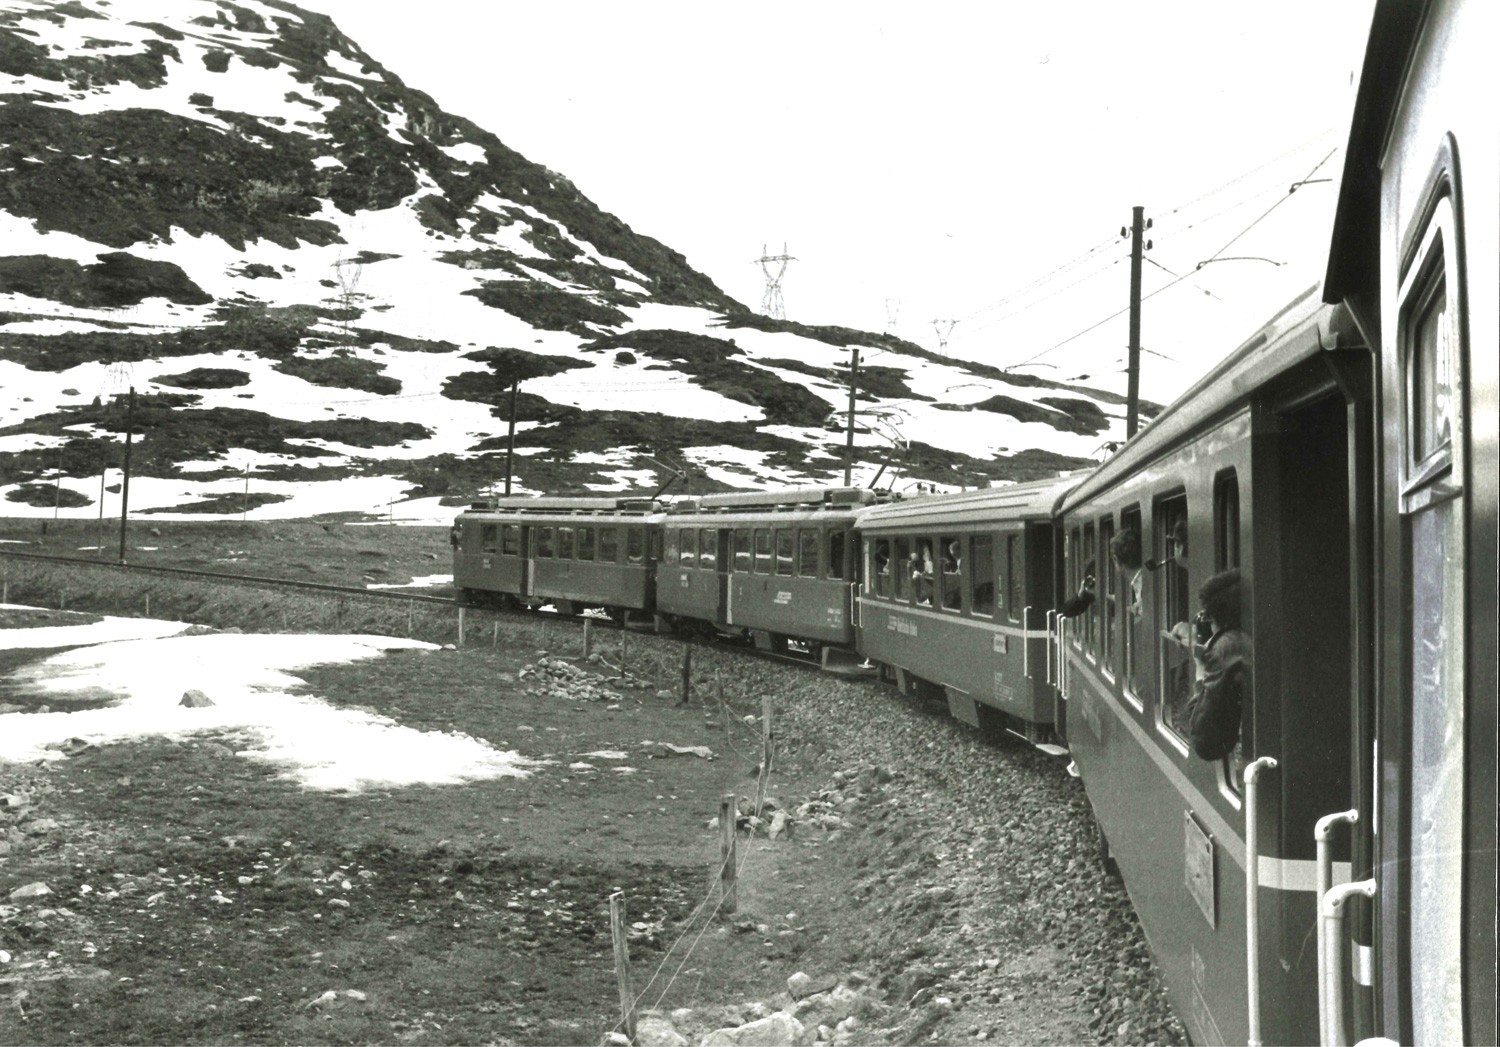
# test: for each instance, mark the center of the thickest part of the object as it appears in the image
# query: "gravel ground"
(978, 904)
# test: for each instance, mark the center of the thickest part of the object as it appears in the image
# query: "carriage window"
(1109, 585)
(904, 569)
(786, 541)
(1174, 615)
(952, 558)
(881, 567)
(762, 550)
(1090, 566)
(565, 543)
(835, 554)
(585, 543)
(488, 537)
(742, 550)
(609, 545)
(544, 542)
(708, 549)
(807, 553)
(1226, 521)
(671, 540)
(1075, 578)
(687, 547)
(1015, 568)
(1137, 647)
(635, 545)
(1429, 379)
(982, 575)
(510, 540)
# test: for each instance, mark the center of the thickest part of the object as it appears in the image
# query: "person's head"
(1179, 539)
(1219, 597)
(1125, 547)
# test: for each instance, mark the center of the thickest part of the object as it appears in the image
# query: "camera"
(1203, 628)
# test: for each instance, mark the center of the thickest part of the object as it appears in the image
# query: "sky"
(957, 173)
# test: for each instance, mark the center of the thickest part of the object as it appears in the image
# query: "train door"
(725, 549)
(528, 567)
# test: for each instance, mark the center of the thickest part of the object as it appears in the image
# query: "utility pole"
(510, 440)
(1138, 225)
(772, 304)
(125, 483)
(849, 435)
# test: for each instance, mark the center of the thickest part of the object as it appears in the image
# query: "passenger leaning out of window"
(1223, 658)
(1083, 599)
(921, 573)
(1125, 547)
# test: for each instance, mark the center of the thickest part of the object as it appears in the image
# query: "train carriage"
(957, 595)
(773, 566)
(571, 552)
(1257, 469)
(1414, 256)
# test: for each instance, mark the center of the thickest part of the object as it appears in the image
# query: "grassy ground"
(198, 897)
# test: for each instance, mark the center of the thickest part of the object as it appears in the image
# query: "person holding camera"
(1223, 658)
(1083, 599)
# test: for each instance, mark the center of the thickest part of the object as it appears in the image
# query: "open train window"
(1174, 615)
(671, 543)
(565, 543)
(1075, 577)
(708, 549)
(904, 568)
(836, 553)
(742, 562)
(687, 547)
(1226, 521)
(586, 543)
(1090, 566)
(786, 549)
(1109, 596)
(881, 568)
(1137, 647)
(510, 540)
(635, 545)
(951, 594)
(488, 537)
(762, 550)
(609, 545)
(1015, 567)
(807, 553)
(982, 575)
(544, 542)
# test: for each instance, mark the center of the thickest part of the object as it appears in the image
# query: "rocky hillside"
(322, 289)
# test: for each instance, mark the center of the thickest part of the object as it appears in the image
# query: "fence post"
(687, 674)
(495, 635)
(728, 815)
(622, 962)
(460, 626)
(624, 649)
(765, 753)
(588, 640)
(410, 604)
(148, 605)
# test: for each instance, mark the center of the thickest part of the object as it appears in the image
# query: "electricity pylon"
(772, 304)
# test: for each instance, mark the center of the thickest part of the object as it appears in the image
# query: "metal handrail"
(1026, 641)
(1252, 894)
(1323, 835)
(1331, 916)
(1050, 615)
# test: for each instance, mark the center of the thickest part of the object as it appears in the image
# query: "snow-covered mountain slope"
(321, 288)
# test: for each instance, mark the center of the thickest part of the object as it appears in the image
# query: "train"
(1322, 506)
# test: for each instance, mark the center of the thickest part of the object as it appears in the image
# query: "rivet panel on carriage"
(957, 598)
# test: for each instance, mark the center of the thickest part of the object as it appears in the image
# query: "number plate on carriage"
(1198, 870)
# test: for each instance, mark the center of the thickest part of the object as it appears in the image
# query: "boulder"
(652, 1030)
(195, 699)
(776, 1030)
(802, 985)
(31, 890)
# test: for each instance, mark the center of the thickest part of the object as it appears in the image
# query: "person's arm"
(1080, 601)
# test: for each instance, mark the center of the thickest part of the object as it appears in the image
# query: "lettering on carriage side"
(684, 580)
(1000, 644)
(782, 598)
(904, 626)
(487, 563)
(1198, 866)
(1202, 1016)
(835, 616)
(1003, 691)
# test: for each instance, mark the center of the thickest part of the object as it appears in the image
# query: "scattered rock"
(196, 699)
(802, 985)
(31, 890)
(652, 1030)
(775, 1030)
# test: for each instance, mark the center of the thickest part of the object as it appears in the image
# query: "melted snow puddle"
(420, 582)
(248, 678)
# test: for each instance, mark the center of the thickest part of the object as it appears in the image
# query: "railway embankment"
(926, 885)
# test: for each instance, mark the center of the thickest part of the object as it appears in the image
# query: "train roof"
(555, 505)
(1034, 500)
(786, 500)
(1300, 331)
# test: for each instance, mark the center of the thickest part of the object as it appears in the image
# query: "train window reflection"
(903, 568)
(1137, 648)
(708, 549)
(510, 540)
(544, 542)
(807, 553)
(835, 554)
(609, 545)
(635, 545)
(952, 559)
(585, 543)
(881, 567)
(762, 550)
(742, 550)
(1088, 566)
(982, 575)
(687, 549)
(1430, 379)
(488, 538)
(786, 540)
